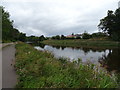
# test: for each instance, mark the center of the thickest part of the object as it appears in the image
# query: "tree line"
(84, 35)
(11, 34)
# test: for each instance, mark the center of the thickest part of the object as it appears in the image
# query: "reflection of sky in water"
(108, 58)
(76, 53)
(39, 48)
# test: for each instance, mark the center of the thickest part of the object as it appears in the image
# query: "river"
(107, 58)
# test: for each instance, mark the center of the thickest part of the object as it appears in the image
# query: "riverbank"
(39, 69)
(83, 43)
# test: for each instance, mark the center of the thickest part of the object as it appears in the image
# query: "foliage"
(86, 35)
(111, 24)
(57, 37)
(63, 37)
(41, 38)
(98, 35)
(38, 69)
(35, 39)
(9, 33)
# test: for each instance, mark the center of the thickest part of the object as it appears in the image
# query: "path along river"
(9, 77)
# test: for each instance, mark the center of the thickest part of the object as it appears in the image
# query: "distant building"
(74, 36)
(119, 4)
(70, 36)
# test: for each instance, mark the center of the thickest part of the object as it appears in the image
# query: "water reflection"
(112, 61)
(108, 58)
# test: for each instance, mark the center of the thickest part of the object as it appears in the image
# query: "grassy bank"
(85, 43)
(38, 69)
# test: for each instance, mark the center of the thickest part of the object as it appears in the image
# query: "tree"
(41, 38)
(22, 37)
(15, 34)
(111, 24)
(9, 33)
(86, 35)
(98, 35)
(7, 25)
(56, 37)
(63, 37)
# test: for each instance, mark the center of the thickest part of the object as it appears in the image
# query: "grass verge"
(38, 69)
(85, 43)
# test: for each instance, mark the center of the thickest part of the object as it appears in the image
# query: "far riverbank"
(83, 43)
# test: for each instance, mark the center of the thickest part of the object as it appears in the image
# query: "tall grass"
(38, 69)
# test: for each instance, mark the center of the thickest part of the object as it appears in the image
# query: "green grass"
(85, 43)
(38, 69)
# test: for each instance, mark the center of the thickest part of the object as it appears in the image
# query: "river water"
(107, 58)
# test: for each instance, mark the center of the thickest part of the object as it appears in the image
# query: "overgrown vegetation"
(85, 43)
(38, 69)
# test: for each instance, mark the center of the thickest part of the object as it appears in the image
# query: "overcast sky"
(56, 17)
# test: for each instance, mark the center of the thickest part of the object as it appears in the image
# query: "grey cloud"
(53, 17)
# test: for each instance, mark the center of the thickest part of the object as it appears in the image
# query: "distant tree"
(72, 33)
(78, 37)
(86, 35)
(57, 37)
(111, 24)
(41, 38)
(53, 37)
(98, 35)
(22, 37)
(63, 37)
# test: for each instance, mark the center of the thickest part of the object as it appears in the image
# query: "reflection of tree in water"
(57, 47)
(41, 45)
(98, 50)
(63, 47)
(112, 61)
(86, 50)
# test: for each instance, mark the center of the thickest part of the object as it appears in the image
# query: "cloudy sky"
(56, 17)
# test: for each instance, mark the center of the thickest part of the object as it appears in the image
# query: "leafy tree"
(9, 33)
(7, 25)
(111, 24)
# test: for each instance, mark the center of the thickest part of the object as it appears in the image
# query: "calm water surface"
(108, 58)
